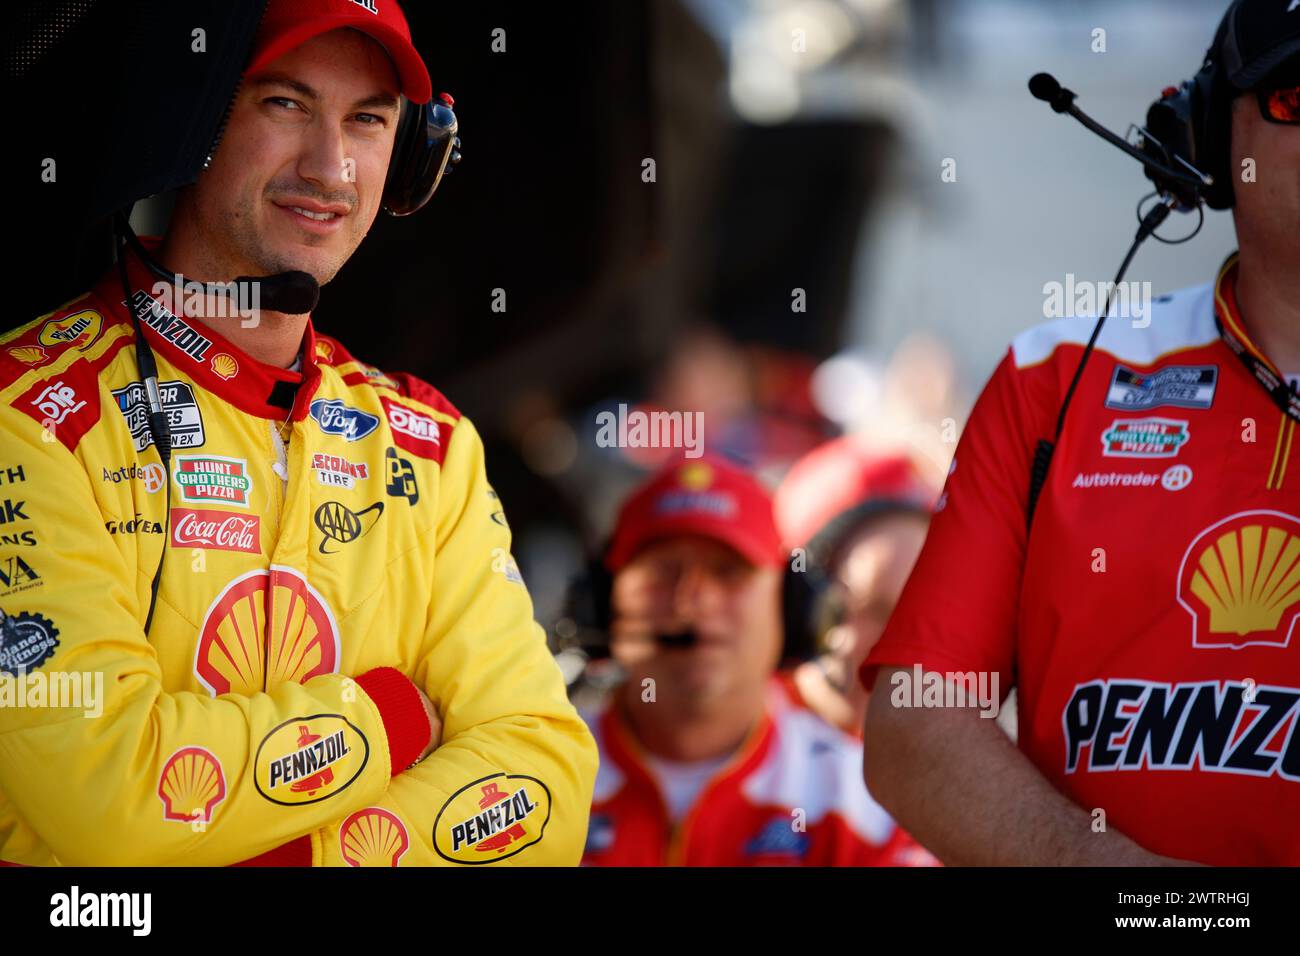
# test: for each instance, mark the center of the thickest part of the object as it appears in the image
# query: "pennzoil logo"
(309, 759)
(1240, 581)
(265, 628)
(373, 837)
(78, 330)
(492, 819)
(191, 785)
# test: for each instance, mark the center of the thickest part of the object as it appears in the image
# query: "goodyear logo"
(492, 819)
(309, 759)
(78, 330)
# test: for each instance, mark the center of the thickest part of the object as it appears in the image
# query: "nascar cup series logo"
(265, 629)
(309, 759)
(373, 837)
(1240, 581)
(492, 819)
(191, 785)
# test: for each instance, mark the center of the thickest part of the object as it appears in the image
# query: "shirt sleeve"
(153, 778)
(512, 780)
(958, 609)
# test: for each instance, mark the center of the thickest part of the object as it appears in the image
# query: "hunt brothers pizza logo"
(214, 478)
(216, 530)
(1225, 727)
(309, 759)
(492, 819)
(1144, 438)
(1240, 581)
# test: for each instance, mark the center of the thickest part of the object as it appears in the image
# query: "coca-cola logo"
(216, 530)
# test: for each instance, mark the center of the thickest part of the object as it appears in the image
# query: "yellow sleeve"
(155, 778)
(511, 782)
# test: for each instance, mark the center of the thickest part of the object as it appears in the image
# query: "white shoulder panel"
(817, 768)
(1178, 320)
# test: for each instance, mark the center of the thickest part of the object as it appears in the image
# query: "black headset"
(804, 601)
(426, 147)
(1192, 122)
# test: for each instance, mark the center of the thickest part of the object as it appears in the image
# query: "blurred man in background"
(860, 519)
(704, 761)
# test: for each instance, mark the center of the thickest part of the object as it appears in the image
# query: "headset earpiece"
(425, 148)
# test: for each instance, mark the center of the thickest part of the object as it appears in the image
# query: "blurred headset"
(425, 148)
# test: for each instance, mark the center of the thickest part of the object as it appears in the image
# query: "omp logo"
(1127, 724)
(78, 330)
(492, 819)
(265, 629)
(309, 759)
(1240, 581)
(373, 837)
(414, 431)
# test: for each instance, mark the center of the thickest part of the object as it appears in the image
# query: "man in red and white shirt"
(704, 760)
(1149, 617)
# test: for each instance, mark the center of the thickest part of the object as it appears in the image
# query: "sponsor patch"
(191, 785)
(373, 837)
(56, 402)
(335, 418)
(26, 642)
(183, 416)
(777, 838)
(339, 523)
(213, 478)
(224, 366)
(492, 819)
(216, 530)
(1183, 386)
(1240, 581)
(309, 759)
(78, 330)
(264, 629)
(414, 431)
(1144, 438)
(170, 327)
(151, 475)
(1128, 724)
(137, 525)
(401, 477)
(29, 354)
(337, 472)
(17, 575)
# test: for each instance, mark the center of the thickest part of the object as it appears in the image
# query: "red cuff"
(294, 853)
(405, 722)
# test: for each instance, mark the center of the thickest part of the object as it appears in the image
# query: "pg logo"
(1240, 581)
(401, 477)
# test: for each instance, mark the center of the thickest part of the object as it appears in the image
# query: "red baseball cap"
(290, 23)
(843, 479)
(706, 497)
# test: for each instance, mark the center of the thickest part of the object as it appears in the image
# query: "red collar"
(206, 355)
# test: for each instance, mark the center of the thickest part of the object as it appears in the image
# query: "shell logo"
(325, 350)
(1240, 581)
(373, 837)
(78, 330)
(191, 785)
(265, 628)
(224, 365)
(695, 477)
(29, 354)
(310, 759)
(492, 819)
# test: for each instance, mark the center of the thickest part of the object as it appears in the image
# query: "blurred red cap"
(706, 497)
(840, 477)
(290, 23)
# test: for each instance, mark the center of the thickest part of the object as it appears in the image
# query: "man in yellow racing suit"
(333, 557)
